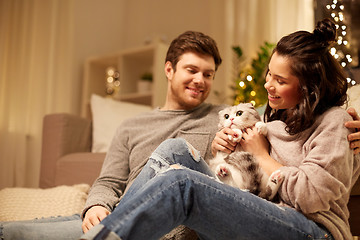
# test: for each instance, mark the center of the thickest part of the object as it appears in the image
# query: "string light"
(348, 57)
(112, 81)
(341, 16)
(336, 9)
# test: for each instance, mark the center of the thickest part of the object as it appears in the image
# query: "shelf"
(139, 98)
(131, 64)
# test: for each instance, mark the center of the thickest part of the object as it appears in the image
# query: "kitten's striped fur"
(241, 169)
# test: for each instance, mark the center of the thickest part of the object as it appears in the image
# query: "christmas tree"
(249, 80)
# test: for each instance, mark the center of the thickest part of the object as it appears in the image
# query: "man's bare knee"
(175, 166)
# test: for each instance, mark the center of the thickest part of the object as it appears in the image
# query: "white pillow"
(29, 203)
(354, 97)
(107, 114)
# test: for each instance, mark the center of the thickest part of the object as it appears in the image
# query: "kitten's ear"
(221, 113)
(250, 105)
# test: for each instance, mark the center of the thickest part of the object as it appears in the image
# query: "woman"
(309, 146)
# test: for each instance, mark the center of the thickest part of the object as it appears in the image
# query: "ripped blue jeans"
(52, 228)
(176, 187)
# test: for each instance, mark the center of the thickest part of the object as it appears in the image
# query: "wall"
(97, 30)
(102, 27)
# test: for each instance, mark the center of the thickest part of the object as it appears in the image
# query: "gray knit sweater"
(320, 170)
(137, 138)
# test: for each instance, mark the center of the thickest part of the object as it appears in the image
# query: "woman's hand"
(222, 143)
(93, 217)
(257, 144)
(354, 138)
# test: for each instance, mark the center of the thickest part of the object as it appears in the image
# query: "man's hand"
(93, 217)
(354, 138)
(222, 143)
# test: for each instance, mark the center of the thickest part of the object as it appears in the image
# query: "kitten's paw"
(222, 171)
(237, 136)
(273, 185)
(277, 177)
(261, 126)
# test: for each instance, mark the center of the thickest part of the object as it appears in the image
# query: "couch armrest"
(62, 134)
(77, 168)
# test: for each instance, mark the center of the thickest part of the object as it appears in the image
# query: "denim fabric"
(177, 187)
(54, 228)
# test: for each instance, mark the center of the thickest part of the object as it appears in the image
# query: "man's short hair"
(195, 42)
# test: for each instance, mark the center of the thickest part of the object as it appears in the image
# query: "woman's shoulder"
(332, 120)
(335, 114)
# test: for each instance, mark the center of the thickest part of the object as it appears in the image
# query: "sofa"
(66, 157)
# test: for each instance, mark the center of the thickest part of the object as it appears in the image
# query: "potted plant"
(145, 82)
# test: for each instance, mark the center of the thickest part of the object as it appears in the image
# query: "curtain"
(35, 59)
(249, 23)
(257, 21)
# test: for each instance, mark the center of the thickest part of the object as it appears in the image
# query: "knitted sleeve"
(110, 185)
(320, 174)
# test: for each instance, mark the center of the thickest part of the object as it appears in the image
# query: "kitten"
(239, 168)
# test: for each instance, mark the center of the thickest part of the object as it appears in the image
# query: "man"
(191, 63)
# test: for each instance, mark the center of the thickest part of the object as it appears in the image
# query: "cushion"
(107, 114)
(29, 203)
(354, 97)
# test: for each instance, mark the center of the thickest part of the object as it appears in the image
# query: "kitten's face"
(240, 116)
